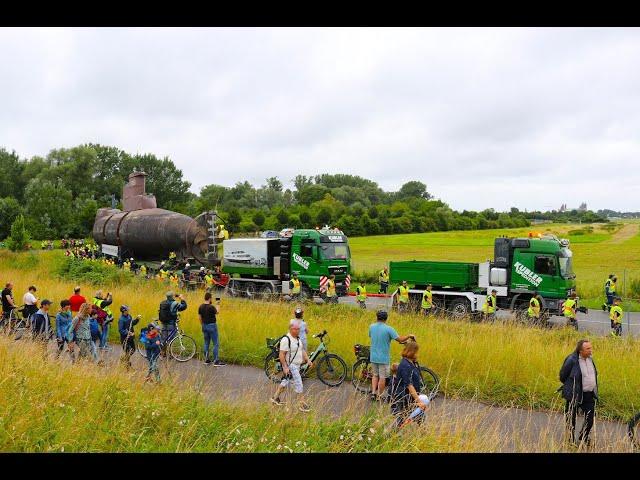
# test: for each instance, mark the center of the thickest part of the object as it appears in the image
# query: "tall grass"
(499, 363)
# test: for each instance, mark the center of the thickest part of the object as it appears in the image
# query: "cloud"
(530, 118)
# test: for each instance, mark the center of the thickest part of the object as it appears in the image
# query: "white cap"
(131, 258)
(187, 265)
(201, 268)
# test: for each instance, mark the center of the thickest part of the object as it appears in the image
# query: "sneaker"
(304, 407)
(208, 362)
(373, 396)
(219, 363)
(276, 401)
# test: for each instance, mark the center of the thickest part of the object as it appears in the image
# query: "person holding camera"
(208, 319)
(127, 336)
(292, 356)
(168, 315)
(105, 317)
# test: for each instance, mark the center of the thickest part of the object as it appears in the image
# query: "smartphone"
(217, 299)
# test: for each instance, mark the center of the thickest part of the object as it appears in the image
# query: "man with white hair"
(292, 356)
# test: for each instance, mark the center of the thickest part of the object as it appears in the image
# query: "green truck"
(520, 267)
(263, 266)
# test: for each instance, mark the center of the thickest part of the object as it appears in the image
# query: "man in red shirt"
(76, 301)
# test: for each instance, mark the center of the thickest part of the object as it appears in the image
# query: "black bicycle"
(330, 368)
(633, 429)
(362, 374)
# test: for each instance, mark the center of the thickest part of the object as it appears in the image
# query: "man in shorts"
(381, 335)
(292, 356)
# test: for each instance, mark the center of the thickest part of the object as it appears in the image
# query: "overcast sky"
(531, 118)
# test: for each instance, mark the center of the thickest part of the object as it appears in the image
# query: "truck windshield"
(566, 265)
(334, 251)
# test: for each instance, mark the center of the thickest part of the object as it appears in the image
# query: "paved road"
(497, 429)
(596, 321)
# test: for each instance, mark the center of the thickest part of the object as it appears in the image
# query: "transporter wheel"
(233, 289)
(266, 292)
(438, 307)
(305, 293)
(250, 290)
(460, 308)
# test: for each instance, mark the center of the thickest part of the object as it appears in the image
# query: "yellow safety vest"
(126, 266)
(615, 315)
(208, 279)
(612, 287)
(567, 310)
(534, 307)
(331, 289)
(361, 293)
(143, 270)
(427, 300)
(98, 303)
(174, 280)
(489, 305)
(296, 286)
(383, 277)
(404, 294)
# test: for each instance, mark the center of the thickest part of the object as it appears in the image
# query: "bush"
(91, 271)
(19, 239)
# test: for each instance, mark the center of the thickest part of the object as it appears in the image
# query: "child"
(153, 351)
(63, 327)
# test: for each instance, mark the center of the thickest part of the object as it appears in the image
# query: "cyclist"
(30, 302)
(381, 335)
(292, 356)
(7, 302)
(168, 315)
(127, 336)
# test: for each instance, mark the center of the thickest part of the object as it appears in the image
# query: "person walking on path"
(292, 356)
(82, 329)
(381, 335)
(569, 309)
(76, 301)
(579, 378)
(40, 324)
(64, 319)
(105, 316)
(153, 352)
(127, 335)
(298, 313)
(407, 404)
(7, 302)
(208, 314)
(615, 315)
(383, 280)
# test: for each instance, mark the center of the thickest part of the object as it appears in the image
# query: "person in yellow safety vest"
(332, 297)
(383, 280)
(490, 305)
(223, 234)
(172, 258)
(43, 244)
(534, 307)
(361, 295)
(103, 304)
(173, 279)
(143, 270)
(126, 266)
(295, 286)
(569, 308)
(427, 300)
(608, 293)
(615, 315)
(162, 273)
(403, 297)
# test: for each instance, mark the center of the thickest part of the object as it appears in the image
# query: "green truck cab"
(520, 267)
(264, 266)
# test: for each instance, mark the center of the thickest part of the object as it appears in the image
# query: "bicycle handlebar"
(320, 335)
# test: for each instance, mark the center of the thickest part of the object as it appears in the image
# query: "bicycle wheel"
(273, 368)
(182, 348)
(361, 375)
(142, 350)
(634, 430)
(430, 382)
(331, 370)
(21, 329)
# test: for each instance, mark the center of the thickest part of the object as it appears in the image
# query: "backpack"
(102, 314)
(164, 313)
(143, 337)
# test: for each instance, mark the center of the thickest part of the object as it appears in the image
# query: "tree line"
(58, 195)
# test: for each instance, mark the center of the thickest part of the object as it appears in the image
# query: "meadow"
(501, 364)
(595, 255)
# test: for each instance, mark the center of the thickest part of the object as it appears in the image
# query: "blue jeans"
(210, 332)
(167, 332)
(152, 357)
(104, 335)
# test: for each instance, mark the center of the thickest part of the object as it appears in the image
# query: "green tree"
(258, 218)
(12, 181)
(323, 217)
(283, 218)
(49, 209)
(9, 211)
(19, 238)
(233, 219)
(305, 218)
(413, 189)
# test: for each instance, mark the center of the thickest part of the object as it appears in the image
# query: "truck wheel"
(459, 308)
(305, 293)
(266, 292)
(250, 290)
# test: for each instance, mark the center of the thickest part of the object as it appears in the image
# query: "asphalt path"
(505, 429)
(596, 321)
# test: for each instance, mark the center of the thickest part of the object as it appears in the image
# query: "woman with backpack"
(82, 330)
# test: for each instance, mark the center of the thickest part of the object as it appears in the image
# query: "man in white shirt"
(292, 356)
(30, 302)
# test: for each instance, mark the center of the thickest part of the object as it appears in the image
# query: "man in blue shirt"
(381, 335)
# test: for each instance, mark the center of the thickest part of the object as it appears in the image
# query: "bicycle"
(17, 323)
(361, 375)
(633, 430)
(330, 368)
(181, 347)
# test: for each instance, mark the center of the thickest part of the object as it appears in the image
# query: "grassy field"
(498, 363)
(596, 254)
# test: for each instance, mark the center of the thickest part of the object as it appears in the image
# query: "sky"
(485, 117)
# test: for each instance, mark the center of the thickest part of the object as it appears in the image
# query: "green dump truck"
(520, 267)
(263, 266)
